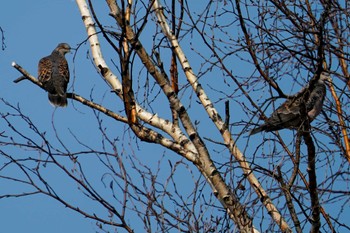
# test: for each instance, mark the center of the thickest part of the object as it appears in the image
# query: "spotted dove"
(289, 114)
(53, 73)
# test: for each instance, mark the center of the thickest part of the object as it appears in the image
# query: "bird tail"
(58, 100)
(257, 130)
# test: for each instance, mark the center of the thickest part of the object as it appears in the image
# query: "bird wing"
(60, 74)
(63, 69)
(315, 101)
(45, 69)
(286, 114)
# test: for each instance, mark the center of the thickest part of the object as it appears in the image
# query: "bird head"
(325, 76)
(63, 48)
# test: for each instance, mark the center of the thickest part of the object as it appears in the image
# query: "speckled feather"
(53, 73)
(288, 115)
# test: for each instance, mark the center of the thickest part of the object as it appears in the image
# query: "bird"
(53, 73)
(289, 115)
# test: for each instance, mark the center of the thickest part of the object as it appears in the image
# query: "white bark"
(215, 116)
(114, 82)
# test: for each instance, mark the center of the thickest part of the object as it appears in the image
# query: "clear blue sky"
(32, 30)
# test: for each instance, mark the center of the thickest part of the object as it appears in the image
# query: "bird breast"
(313, 113)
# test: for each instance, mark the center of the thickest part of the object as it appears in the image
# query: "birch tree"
(194, 79)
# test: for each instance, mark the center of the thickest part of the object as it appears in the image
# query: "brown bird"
(53, 73)
(288, 115)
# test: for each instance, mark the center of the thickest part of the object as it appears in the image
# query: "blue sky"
(32, 30)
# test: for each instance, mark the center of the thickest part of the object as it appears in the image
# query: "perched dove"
(53, 73)
(288, 115)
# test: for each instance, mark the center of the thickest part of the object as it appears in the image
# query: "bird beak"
(328, 79)
(72, 51)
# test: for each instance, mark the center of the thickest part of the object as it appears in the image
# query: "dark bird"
(289, 115)
(53, 73)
